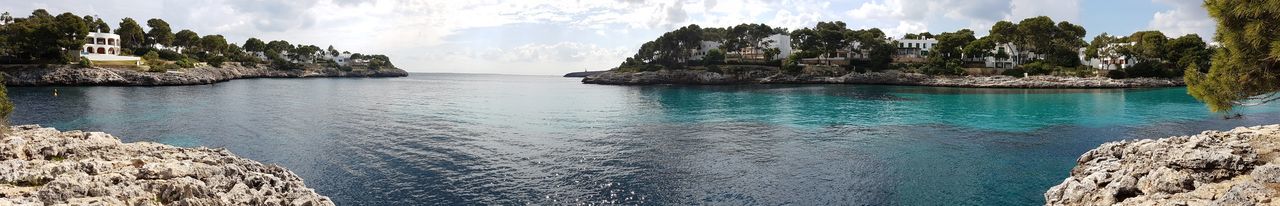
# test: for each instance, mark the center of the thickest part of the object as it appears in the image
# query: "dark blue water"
(495, 139)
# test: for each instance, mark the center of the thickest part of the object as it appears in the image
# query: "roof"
(103, 35)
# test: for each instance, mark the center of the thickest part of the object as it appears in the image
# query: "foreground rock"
(41, 166)
(73, 75)
(885, 78)
(1237, 167)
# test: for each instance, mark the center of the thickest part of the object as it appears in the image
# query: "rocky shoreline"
(42, 166)
(74, 75)
(695, 77)
(1237, 167)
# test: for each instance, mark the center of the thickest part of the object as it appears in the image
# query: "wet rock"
(1211, 168)
(42, 166)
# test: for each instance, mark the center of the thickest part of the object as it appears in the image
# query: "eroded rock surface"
(42, 166)
(1237, 167)
(73, 75)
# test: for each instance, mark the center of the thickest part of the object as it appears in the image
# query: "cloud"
(1059, 10)
(898, 17)
(275, 16)
(1186, 17)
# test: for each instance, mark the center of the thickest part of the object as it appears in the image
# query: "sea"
(463, 139)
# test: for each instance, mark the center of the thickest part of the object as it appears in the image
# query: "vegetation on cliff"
(42, 38)
(1246, 69)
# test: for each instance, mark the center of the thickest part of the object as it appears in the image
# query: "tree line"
(45, 39)
(1037, 45)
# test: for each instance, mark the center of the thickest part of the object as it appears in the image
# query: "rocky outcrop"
(74, 75)
(42, 166)
(583, 73)
(1237, 167)
(884, 78)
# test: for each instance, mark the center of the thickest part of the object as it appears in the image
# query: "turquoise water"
(498, 139)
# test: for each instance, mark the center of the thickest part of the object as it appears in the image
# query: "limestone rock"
(1211, 168)
(35, 75)
(42, 166)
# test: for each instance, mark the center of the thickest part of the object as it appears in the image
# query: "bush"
(792, 65)
(216, 61)
(6, 107)
(185, 63)
(1038, 68)
(1015, 72)
(84, 62)
(1149, 69)
(1117, 74)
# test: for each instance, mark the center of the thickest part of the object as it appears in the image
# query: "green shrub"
(84, 62)
(1117, 74)
(6, 108)
(792, 65)
(185, 63)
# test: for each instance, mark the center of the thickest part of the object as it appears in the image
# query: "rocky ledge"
(884, 78)
(74, 75)
(1237, 167)
(42, 166)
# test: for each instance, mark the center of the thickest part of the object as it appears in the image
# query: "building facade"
(105, 47)
(102, 43)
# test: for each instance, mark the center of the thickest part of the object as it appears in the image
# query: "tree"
(131, 34)
(332, 51)
(186, 39)
(1246, 70)
(159, 33)
(101, 26)
(1099, 42)
(950, 44)
(1148, 45)
(213, 44)
(979, 48)
(278, 46)
(6, 108)
(254, 45)
(714, 57)
(71, 33)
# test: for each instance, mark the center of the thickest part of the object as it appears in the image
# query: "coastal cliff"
(42, 166)
(698, 77)
(1237, 167)
(74, 75)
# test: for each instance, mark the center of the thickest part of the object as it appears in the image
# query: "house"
(105, 48)
(1108, 57)
(1002, 57)
(915, 48)
(702, 50)
(342, 59)
(782, 42)
(840, 57)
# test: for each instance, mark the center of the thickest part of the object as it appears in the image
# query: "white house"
(702, 50)
(104, 47)
(915, 48)
(1108, 58)
(1007, 62)
(341, 59)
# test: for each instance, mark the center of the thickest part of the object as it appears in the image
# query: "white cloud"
(898, 17)
(1059, 10)
(1186, 17)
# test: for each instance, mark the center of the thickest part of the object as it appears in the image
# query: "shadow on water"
(495, 139)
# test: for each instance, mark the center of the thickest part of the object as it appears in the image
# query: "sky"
(552, 37)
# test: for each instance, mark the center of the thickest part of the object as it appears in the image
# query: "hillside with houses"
(830, 52)
(67, 49)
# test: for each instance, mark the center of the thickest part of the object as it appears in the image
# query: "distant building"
(701, 52)
(105, 47)
(341, 59)
(917, 48)
(1001, 57)
(1108, 57)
